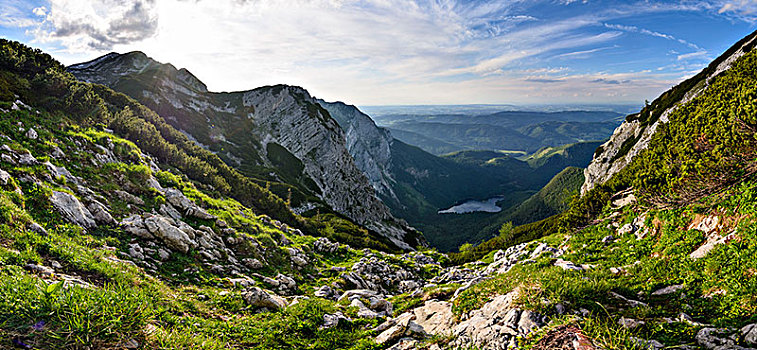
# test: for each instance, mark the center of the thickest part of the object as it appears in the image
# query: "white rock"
(72, 210)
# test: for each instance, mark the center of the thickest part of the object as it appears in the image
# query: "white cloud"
(98, 25)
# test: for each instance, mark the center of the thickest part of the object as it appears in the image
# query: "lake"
(489, 206)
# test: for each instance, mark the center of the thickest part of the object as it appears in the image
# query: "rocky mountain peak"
(279, 133)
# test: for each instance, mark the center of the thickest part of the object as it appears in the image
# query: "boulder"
(435, 317)
(72, 210)
(259, 298)
(333, 320)
(5, 178)
(100, 213)
(668, 290)
(128, 197)
(31, 134)
(163, 228)
(749, 334)
(180, 201)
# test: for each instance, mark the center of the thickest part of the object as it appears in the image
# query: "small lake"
(488, 206)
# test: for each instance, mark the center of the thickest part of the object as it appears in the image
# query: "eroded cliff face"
(280, 128)
(369, 145)
(634, 135)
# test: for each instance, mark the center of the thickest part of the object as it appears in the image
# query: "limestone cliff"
(276, 133)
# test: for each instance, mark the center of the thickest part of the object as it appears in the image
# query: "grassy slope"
(708, 145)
(183, 302)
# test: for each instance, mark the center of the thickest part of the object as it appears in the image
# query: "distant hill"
(512, 130)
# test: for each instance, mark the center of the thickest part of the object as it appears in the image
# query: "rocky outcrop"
(369, 145)
(259, 298)
(72, 210)
(277, 127)
(633, 136)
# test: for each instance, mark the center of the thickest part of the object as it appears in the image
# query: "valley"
(139, 209)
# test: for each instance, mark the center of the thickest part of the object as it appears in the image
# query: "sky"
(403, 52)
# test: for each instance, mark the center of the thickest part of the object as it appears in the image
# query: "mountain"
(416, 185)
(119, 232)
(510, 130)
(277, 134)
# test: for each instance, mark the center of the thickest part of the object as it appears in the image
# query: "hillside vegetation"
(110, 238)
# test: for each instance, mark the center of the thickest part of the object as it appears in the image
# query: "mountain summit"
(278, 134)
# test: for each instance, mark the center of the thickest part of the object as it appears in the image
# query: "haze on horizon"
(403, 52)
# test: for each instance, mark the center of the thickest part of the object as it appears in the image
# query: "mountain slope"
(275, 133)
(416, 185)
(156, 243)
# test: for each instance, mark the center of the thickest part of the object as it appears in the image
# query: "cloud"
(743, 7)
(635, 29)
(543, 81)
(694, 55)
(610, 81)
(99, 24)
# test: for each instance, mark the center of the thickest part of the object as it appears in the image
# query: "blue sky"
(383, 52)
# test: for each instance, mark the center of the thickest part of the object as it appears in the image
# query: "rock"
(136, 252)
(100, 213)
(648, 344)
(406, 343)
(435, 317)
(252, 263)
(153, 183)
(56, 265)
(163, 254)
(286, 281)
(714, 338)
(608, 239)
(630, 323)
(627, 228)
(35, 227)
(408, 286)
(135, 225)
(333, 320)
(5, 178)
(31, 134)
(324, 292)
(42, 270)
(397, 330)
(178, 200)
(27, 159)
(668, 290)
(297, 257)
(170, 211)
(57, 153)
(323, 245)
(706, 224)
(129, 198)
(360, 293)
(259, 298)
(749, 334)
(72, 210)
(164, 229)
(712, 241)
(631, 302)
(567, 265)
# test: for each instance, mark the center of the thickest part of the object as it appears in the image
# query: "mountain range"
(245, 220)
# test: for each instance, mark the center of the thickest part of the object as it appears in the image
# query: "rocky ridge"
(280, 128)
(634, 135)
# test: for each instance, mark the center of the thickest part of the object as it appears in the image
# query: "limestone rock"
(100, 213)
(72, 210)
(178, 200)
(749, 334)
(259, 298)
